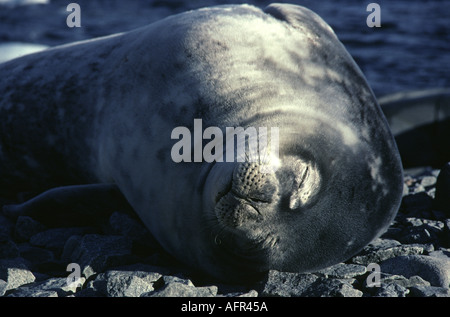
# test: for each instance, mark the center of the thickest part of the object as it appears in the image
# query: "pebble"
(390, 290)
(328, 287)
(343, 271)
(14, 272)
(35, 255)
(53, 287)
(428, 181)
(432, 269)
(285, 284)
(26, 227)
(124, 283)
(94, 253)
(378, 254)
(176, 289)
(429, 291)
(8, 248)
(55, 239)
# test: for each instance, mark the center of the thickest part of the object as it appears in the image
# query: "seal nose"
(251, 191)
(255, 182)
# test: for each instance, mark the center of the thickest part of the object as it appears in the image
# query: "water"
(411, 49)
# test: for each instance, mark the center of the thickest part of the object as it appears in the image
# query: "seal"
(102, 112)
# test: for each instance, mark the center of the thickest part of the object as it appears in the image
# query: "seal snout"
(250, 193)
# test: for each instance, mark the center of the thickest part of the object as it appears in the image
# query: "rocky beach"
(118, 258)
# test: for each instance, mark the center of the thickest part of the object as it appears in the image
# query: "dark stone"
(124, 283)
(95, 253)
(56, 238)
(26, 227)
(417, 204)
(432, 269)
(176, 289)
(429, 291)
(391, 290)
(328, 287)
(284, 284)
(8, 249)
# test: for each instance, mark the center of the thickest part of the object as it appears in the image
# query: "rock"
(439, 215)
(56, 238)
(26, 227)
(441, 254)
(8, 249)
(412, 281)
(428, 181)
(390, 290)
(182, 290)
(380, 243)
(251, 293)
(434, 270)
(405, 190)
(342, 270)
(14, 273)
(53, 287)
(420, 234)
(168, 279)
(392, 232)
(164, 271)
(124, 283)
(429, 291)
(386, 278)
(328, 287)
(95, 253)
(31, 292)
(3, 286)
(35, 255)
(380, 252)
(415, 205)
(284, 284)
(69, 247)
(442, 196)
(414, 222)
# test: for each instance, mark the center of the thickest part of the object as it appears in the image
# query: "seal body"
(102, 111)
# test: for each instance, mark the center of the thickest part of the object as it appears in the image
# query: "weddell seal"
(103, 111)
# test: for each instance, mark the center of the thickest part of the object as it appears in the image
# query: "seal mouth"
(242, 208)
(249, 253)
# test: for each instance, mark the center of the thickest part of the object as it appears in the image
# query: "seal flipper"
(69, 205)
